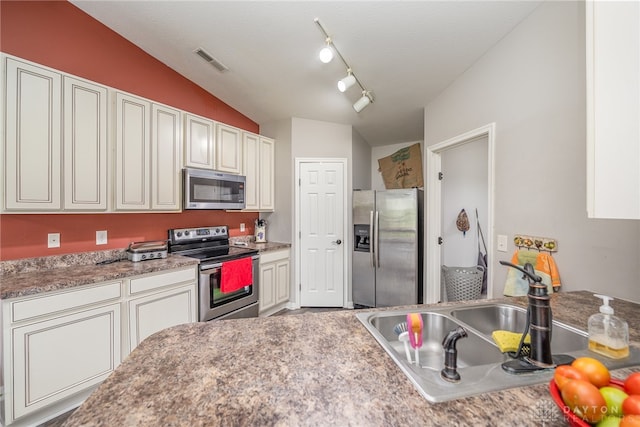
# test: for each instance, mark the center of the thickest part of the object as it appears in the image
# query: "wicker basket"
(463, 283)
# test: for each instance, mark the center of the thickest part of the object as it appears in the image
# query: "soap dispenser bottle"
(608, 334)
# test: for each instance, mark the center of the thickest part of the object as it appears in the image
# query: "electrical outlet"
(54, 240)
(101, 237)
(242, 228)
(502, 242)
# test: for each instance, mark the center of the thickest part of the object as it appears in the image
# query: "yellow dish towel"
(544, 266)
(509, 341)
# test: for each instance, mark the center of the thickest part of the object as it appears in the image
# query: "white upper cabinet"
(132, 153)
(56, 141)
(147, 155)
(267, 174)
(32, 151)
(228, 149)
(199, 144)
(166, 160)
(258, 167)
(85, 145)
(613, 109)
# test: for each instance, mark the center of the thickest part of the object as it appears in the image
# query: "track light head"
(367, 98)
(347, 82)
(326, 53)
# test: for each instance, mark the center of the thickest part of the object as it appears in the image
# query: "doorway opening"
(434, 206)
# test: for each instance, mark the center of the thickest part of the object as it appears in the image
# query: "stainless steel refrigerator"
(387, 250)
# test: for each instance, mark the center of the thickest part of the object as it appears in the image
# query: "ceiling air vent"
(211, 60)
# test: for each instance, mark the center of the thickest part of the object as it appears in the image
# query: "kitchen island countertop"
(308, 369)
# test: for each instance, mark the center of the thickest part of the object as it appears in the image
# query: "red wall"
(61, 36)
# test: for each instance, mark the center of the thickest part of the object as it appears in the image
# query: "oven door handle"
(219, 264)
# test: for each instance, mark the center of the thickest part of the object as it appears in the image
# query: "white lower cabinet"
(57, 347)
(59, 357)
(274, 281)
(173, 304)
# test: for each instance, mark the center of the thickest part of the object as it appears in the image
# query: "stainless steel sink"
(488, 318)
(479, 360)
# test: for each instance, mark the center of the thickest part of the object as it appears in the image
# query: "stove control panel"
(182, 235)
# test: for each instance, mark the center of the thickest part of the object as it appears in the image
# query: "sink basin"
(472, 351)
(479, 359)
(488, 318)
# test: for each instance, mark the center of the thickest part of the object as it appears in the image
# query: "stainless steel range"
(229, 280)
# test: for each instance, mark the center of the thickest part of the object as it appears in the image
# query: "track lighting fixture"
(366, 99)
(347, 82)
(326, 55)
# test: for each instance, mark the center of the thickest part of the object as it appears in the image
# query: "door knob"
(337, 242)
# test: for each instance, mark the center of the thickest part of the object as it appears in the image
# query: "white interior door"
(322, 234)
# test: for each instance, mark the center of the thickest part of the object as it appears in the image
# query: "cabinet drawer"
(70, 300)
(160, 280)
(271, 256)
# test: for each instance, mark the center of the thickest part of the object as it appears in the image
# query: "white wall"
(361, 152)
(464, 187)
(379, 152)
(532, 84)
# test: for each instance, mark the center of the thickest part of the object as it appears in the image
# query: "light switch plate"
(502, 243)
(101, 237)
(53, 240)
(242, 227)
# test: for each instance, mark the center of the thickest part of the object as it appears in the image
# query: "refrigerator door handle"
(372, 243)
(377, 227)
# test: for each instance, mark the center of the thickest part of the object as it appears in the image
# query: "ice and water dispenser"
(361, 237)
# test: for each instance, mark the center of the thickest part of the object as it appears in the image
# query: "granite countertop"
(31, 276)
(261, 247)
(36, 275)
(307, 369)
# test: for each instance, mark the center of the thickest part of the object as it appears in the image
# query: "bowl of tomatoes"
(588, 396)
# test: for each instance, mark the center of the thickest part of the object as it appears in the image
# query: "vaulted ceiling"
(405, 52)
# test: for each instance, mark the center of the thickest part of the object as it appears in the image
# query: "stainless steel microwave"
(206, 189)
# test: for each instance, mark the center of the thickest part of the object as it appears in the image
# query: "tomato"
(594, 369)
(564, 373)
(584, 400)
(632, 383)
(630, 421)
(631, 405)
(614, 398)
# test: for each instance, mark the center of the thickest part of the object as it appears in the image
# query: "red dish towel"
(236, 274)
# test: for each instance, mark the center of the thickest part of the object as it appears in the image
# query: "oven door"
(214, 303)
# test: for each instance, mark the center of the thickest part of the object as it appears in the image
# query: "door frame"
(345, 221)
(433, 210)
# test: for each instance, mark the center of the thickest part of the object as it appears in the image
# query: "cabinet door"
(56, 358)
(85, 145)
(228, 149)
(282, 282)
(267, 286)
(198, 142)
(32, 156)
(152, 313)
(251, 170)
(613, 109)
(133, 142)
(166, 142)
(267, 172)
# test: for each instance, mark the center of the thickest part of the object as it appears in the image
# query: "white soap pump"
(608, 334)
